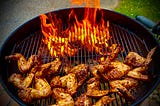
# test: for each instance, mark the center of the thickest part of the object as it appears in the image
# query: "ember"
(87, 33)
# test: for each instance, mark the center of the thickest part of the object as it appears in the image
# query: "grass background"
(147, 8)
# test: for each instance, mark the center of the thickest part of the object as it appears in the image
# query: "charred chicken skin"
(96, 68)
(116, 70)
(81, 72)
(104, 101)
(23, 64)
(135, 60)
(83, 100)
(19, 81)
(68, 81)
(122, 87)
(42, 90)
(62, 98)
(137, 73)
(93, 88)
(113, 50)
(49, 68)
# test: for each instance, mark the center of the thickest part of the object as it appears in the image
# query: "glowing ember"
(86, 33)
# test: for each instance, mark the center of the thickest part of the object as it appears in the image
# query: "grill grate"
(33, 45)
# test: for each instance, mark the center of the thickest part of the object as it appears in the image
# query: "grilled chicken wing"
(23, 64)
(93, 88)
(42, 90)
(137, 73)
(96, 68)
(114, 50)
(68, 81)
(19, 81)
(122, 87)
(62, 98)
(49, 68)
(81, 72)
(104, 101)
(83, 100)
(135, 60)
(116, 70)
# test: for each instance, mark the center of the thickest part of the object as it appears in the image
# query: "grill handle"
(155, 27)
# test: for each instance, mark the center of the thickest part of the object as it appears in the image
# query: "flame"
(88, 33)
(88, 3)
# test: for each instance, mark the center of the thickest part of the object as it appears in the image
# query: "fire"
(88, 3)
(86, 33)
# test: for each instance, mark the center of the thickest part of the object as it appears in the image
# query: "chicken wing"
(23, 64)
(81, 72)
(68, 81)
(96, 68)
(104, 101)
(19, 81)
(116, 70)
(113, 51)
(42, 90)
(49, 68)
(135, 60)
(83, 100)
(122, 87)
(93, 88)
(137, 73)
(62, 98)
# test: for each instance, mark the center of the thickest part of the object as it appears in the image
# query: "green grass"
(147, 8)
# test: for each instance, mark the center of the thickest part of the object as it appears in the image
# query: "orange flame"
(87, 32)
(88, 3)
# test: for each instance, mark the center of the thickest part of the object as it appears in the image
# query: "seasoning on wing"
(94, 69)
(116, 70)
(62, 98)
(42, 90)
(93, 88)
(122, 87)
(113, 50)
(137, 73)
(81, 72)
(83, 100)
(49, 68)
(68, 81)
(23, 64)
(104, 101)
(135, 60)
(19, 81)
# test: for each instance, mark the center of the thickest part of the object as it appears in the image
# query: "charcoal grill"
(133, 36)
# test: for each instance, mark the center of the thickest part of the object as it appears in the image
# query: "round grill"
(27, 40)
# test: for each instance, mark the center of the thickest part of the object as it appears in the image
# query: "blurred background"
(13, 13)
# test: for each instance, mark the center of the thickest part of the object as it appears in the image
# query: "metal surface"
(124, 31)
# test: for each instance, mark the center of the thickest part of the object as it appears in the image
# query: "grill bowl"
(126, 31)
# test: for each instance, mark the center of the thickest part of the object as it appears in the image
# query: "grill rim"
(34, 24)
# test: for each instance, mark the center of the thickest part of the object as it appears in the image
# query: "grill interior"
(31, 43)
